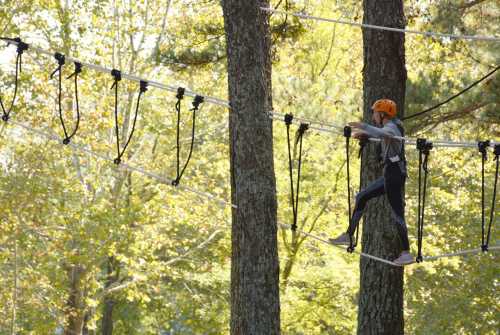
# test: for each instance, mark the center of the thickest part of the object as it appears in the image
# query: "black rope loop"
(198, 100)
(347, 135)
(496, 152)
(61, 60)
(77, 71)
(117, 76)
(21, 47)
(295, 201)
(423, 147)
(483, 149)
(143, 87)
(288, 121)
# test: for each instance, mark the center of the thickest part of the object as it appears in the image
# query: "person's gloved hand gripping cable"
(394, 173)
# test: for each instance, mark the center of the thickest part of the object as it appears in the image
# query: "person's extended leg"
(394, 182)
(374, 189)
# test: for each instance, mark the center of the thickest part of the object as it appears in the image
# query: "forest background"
(84, 241)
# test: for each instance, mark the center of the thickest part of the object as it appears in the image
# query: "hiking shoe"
(404, 258)
(343, 239)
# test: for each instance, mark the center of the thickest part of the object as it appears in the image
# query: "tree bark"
(380, 308)
(109, 301)
(255, 301)
(75, 312)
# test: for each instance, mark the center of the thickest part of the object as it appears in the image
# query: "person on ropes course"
(394, 173)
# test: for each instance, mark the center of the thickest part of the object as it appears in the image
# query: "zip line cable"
(98, 68)
(453, 96)
(320, 125)
(372, 26)
(383, 260)
(125, 166)
(225, 203)
(336, 129)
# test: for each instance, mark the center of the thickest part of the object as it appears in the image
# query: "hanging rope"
(423, 147)
(179, 96)
(483, 146)
(117, 76)
(78, 70)
(288, 122)
(61, 60)
(294, 196)
(143, 87)
(21, 47)
(198, 100)
(484, 246)
(347, 135)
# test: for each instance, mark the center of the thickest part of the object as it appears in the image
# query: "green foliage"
(65, 215)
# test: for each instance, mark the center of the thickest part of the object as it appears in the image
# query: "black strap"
(496, 152)
(21, 47)
(423, 147)
(402, 131)
(198, 100)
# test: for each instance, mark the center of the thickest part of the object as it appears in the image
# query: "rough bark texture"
(384, 76)
(255, 304)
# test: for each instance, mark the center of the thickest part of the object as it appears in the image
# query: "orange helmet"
(386, 106)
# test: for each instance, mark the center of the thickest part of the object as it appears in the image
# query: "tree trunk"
(255, 303)
(384, 76)
(109, 301)
(76, 303)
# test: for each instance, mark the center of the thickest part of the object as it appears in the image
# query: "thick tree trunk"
(384, 76)
(255, 303)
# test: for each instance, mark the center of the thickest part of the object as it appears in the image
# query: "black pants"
(390, 184)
